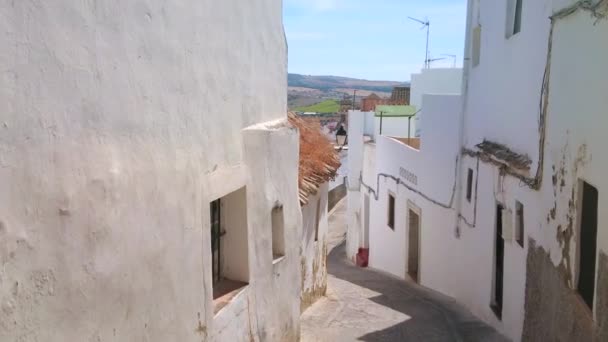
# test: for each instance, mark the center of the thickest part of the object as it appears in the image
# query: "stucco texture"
(556, 313)
(119, 121)
(314, 247)
(458, 254)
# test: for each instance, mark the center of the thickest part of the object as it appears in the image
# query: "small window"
(517, 20)
(391, 211)
(278, 233)
(229, 247)
(217, 233)
(514, 17)
(476, 46)
(469, 185)
(519, 223)
(317, 219)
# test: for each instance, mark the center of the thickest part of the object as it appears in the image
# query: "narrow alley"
(368, 305)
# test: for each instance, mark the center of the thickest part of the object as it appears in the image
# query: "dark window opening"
(391, 211)
(588, 244)
(469, 185)
(517, 19)
(229, 247)
(216, 236)
(496, 304)
(519, 223)
(278, 232)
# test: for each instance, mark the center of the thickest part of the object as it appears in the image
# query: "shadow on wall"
(335, 196)
(434, 317)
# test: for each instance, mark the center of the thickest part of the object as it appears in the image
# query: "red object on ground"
(363, 257)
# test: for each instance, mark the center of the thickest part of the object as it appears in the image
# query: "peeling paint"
(553, 310)
(319, 278)
(565, 230)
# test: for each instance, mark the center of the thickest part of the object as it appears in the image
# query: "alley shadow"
(434, 317)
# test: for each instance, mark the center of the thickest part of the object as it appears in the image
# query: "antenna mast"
(451, 56)
(425, 23)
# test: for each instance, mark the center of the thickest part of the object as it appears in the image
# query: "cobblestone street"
(367, 305)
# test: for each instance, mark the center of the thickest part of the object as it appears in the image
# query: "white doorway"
(413, 241)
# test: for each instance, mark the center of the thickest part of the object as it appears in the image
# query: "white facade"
(120, 122)
(393, 126)
(552, 214)
(560, 132)
(433, 81)
(411, 169)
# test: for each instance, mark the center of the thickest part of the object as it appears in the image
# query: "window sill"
(278, 259)
(225, 292)
(497, 311)
(512, 36)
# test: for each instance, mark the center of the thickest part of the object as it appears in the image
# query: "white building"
(509, 219)
(132, 135)
(433, 81)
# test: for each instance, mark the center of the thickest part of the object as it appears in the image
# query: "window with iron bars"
(216, 236)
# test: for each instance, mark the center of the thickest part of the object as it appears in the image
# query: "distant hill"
(305, 90)
(325, 83)
(327, 106)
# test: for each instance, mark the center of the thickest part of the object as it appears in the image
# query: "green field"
(327, 106)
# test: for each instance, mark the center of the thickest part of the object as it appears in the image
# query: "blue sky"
(371, 39)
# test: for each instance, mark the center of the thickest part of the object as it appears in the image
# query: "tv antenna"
(425, 23)
(451, 56)
(431, 60)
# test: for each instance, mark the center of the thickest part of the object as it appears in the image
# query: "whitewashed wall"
(434, 82)
(507, 84)
(314, 253)
(503, 105)
(434, 167)
(508, 80)
(579, 116)
(369, 125)
(119, 122)
(368, 176)
(393, 126)
(356, 128)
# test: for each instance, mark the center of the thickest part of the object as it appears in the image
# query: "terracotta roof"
(319, 161)
(373, 96)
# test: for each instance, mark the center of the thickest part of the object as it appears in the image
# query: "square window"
(229, 247)
(391, 211)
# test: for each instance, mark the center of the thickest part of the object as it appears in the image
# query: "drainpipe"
(466, 66)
